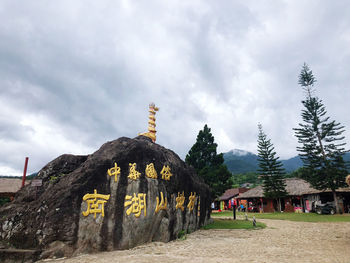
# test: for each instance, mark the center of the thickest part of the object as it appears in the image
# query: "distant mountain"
(29, 177)
(292, 164)
(240, 161)
(347, 157)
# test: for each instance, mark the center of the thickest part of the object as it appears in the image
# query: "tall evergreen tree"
(208, 164)
(322, 146)
(271, 169)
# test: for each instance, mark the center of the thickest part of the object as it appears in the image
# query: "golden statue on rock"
(151, 123)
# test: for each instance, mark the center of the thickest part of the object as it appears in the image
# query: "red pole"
(25, 171)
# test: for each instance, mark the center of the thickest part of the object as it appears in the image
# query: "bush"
(4, 200)
(181, 235)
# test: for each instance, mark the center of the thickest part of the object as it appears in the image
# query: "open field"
(302, 217)
(281, 241)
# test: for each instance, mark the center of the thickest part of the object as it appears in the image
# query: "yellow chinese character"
(151, 171)
(166, 173)
(133, 174)
(180, 200)
(114, 171)
(162, 205)
(93, 204)
(192, 199)
(137, 203)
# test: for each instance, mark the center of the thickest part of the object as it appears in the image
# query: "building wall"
(288, 206)
(268, 208)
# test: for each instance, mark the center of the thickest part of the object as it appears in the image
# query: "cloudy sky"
(75, 74)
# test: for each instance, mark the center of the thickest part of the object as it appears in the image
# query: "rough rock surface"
(50, 217)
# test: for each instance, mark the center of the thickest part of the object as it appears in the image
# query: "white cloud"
(76, 74)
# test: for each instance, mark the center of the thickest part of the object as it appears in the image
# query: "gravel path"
(281, 241)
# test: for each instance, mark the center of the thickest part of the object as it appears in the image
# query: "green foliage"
(208, 164)
(54, 179)
(306, 79)
(299, 173)
(203, 152)
(4, 200)
(28, 177)
(321, 139)
(182, 235)
(217, 177)
(10, 176)
(250, 177)
(233, 224)
(31, 176)
(271, 168)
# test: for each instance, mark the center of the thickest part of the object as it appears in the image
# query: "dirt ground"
(280, 241)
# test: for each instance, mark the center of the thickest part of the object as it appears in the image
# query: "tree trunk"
(279, 205)
(337, 207)
(302, 204)
(278, 201)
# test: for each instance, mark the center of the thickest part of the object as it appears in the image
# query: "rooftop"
(9, 185)
(294, 187)
(229, 193)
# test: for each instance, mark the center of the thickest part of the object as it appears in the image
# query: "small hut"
(9, 187)
(224, 202)
(301, 198)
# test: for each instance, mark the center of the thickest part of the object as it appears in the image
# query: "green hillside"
(240, 161)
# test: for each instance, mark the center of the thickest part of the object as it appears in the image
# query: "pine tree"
(321, 139)
(208, 164)
(271, 169)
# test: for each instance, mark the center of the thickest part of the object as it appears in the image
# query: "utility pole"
(234, 208)
(24, 172)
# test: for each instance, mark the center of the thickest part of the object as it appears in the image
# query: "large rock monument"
(129, 192)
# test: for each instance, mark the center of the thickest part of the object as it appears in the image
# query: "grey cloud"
(12, 130)
(89, 70)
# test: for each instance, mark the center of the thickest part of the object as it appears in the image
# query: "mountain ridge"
(240, 161)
